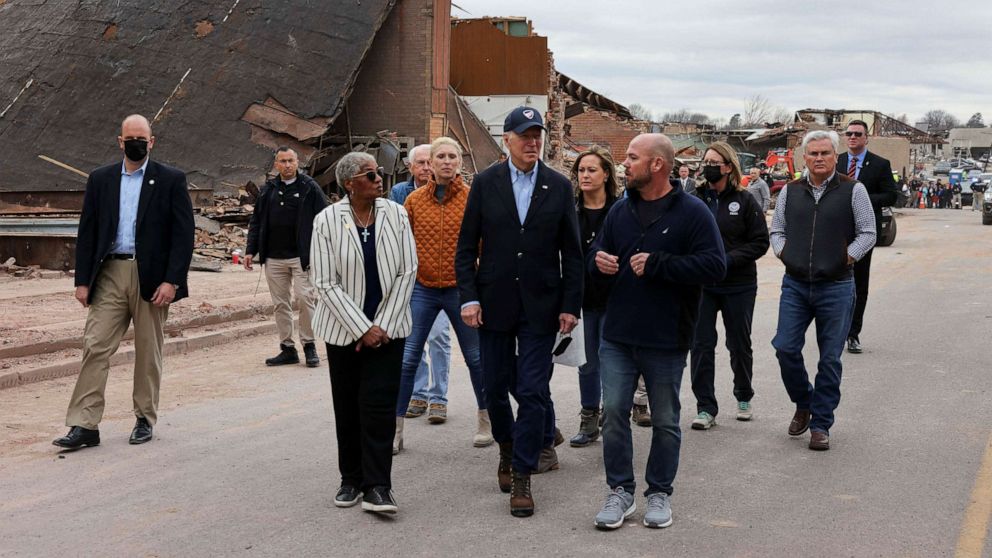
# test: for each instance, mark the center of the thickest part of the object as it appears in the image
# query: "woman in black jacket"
(596, 191)
(745, 239)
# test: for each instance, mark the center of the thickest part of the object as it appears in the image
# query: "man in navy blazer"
(521, 227)
(133, 251)
(875, 173)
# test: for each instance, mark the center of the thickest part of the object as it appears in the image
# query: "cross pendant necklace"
(365, 226)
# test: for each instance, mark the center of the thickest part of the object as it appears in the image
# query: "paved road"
(244, 459)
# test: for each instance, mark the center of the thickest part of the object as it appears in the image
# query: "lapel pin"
(544, 186)
(151, 182)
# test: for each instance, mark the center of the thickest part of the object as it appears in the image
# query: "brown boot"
(521, 501)
(504, 473)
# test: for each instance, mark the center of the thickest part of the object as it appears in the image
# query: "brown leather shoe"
(800, 422)
(504, 474)
(559, 438)
(548, 461)
(521, 501)
(641, 415)
(819, 441)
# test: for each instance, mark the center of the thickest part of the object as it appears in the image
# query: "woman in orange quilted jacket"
(436, 212)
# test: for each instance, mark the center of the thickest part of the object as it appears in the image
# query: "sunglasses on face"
(854, 134)
(370, 175)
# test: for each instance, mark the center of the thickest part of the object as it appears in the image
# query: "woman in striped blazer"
(363, 264)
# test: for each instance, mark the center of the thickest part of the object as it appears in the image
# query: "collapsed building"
(224, 83)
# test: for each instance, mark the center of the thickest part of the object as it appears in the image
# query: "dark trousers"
(737, 308)
(862, 271)
(518, 363)
(364, 385)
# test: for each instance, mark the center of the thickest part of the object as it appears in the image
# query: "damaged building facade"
(224, 82)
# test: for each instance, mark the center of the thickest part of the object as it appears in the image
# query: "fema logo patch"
(734, 208)
(529, 114)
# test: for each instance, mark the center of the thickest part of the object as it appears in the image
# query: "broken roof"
(585, 95)
(71, 71)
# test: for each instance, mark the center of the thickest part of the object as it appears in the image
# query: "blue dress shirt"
(127, 223)
(523, 188)
(859, 158)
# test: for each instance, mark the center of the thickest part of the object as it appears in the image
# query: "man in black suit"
(520, 225)
(133, 251)
(875, 173)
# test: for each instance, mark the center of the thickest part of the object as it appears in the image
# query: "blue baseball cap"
(522, 118)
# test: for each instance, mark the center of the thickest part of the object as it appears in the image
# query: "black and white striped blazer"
(337, 270)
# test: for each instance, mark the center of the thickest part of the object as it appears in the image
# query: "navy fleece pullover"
(659, 309)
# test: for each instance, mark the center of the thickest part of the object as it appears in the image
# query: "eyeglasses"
(370, 175)
(713, 163)
(854, 134)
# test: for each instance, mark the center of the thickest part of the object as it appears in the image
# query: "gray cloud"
(894, 56)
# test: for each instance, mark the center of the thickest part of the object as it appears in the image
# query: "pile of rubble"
(10, 268)
(223, 228)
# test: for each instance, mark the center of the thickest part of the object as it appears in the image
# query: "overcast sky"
(893, 56)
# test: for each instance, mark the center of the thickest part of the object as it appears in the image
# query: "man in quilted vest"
(436, 212)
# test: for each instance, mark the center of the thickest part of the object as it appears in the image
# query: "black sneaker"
(347, 496)
(854, 345)
(77, 438)
(287, 355)
(310, 352)
(379, 499)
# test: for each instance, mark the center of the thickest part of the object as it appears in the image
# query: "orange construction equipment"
(781, 167)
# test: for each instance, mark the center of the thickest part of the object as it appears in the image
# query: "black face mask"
(136, 149)
(712, 174)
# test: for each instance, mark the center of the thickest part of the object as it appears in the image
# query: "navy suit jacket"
(876, 175)
(534, 268)
(163, 232)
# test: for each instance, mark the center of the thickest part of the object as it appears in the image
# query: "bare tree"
(685, 116)
(735, 122)
(641, 112)
(975, 121)
(939, 120)
(757, 111)
(783, 116)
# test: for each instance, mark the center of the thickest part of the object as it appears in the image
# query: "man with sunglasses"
(875, 173)
(279, 233)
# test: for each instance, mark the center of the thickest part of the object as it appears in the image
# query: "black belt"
(120, 256)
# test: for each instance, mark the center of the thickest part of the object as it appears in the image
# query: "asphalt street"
(244, 459)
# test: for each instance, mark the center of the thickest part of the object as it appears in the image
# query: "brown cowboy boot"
(504, 473)
(521, 501)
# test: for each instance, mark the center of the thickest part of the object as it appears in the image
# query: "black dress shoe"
(853, 345)
(379, 499)
(142, 432)
(78, 437)
(347, 496)
(310, 352)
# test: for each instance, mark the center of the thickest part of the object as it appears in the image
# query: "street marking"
(975, 527)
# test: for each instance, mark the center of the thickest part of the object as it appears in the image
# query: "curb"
(174, 346)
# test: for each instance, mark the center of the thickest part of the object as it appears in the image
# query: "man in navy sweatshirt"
(659, 246)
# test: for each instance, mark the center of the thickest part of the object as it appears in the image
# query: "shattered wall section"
(198, 66)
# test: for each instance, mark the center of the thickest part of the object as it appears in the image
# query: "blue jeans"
(831, 304)
(590, 387)
(518, 363)
(662, 372)
(431, 384)
(425, 305)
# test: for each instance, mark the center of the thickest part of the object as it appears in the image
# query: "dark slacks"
(862, 271)
(518, 363)
(364, 385)
(737, 308)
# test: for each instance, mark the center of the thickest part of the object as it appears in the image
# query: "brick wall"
(603, 129)
(393, 90)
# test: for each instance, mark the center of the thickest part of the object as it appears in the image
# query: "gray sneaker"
(703, 421)
(618, 506)
(659, 512)
(744, 410)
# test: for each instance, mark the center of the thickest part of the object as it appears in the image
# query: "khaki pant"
(282, 277)
(116, 302)
(641, 393)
